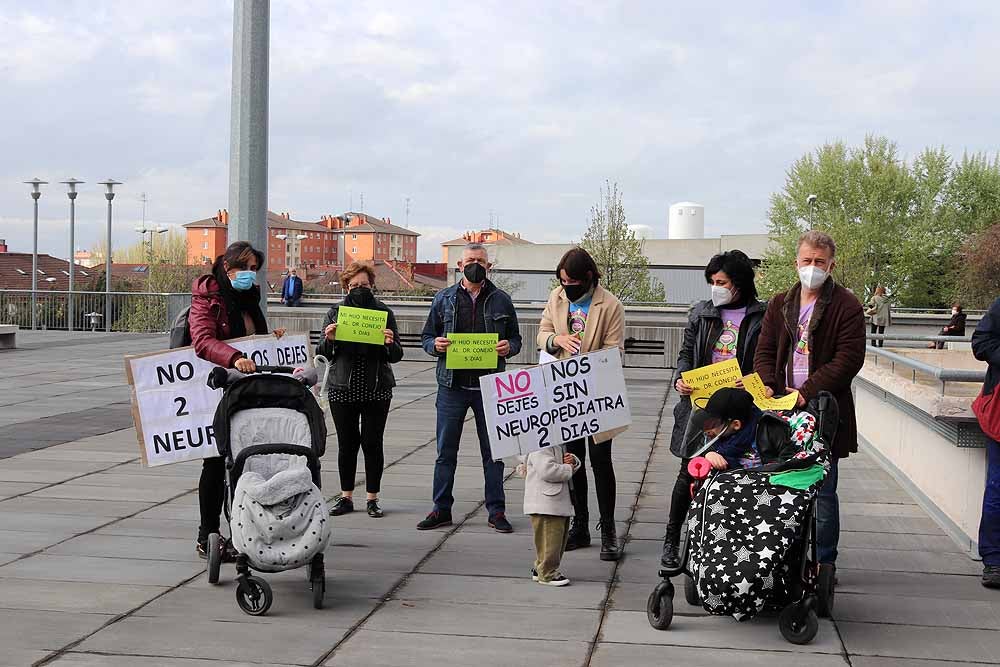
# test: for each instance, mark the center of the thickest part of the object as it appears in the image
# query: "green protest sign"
(472, 351)
(361, 325)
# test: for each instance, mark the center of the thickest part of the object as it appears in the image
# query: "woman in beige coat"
(580, 317)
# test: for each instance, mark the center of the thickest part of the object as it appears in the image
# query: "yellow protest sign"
(708, 379)
(472, 351)
(361, 325)
(753, 384)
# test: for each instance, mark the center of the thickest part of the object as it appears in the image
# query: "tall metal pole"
(71, 183)
(248, 128)
(109, 195)
(36, 192)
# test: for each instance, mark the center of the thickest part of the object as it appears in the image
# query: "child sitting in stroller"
(729, 424)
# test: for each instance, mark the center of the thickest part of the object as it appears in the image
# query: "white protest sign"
(173, 407)
(552, 404)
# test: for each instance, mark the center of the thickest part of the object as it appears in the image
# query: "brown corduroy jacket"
(836, 351)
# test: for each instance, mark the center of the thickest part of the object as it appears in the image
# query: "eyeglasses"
(357, 285)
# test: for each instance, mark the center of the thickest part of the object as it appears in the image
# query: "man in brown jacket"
(813, 340)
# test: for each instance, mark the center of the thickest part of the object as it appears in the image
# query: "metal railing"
(919, 338)
(942, 375)
(138, 312)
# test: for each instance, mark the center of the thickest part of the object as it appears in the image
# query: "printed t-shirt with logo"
(800, 353)
(578, 312)
(725, 348)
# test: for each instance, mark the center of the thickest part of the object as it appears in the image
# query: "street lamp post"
(143, 229)
(109, 195)
(36, 192)
(811, 202)
(71, 183)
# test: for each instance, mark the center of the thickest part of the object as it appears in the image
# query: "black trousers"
(211, 495)
(876, 329)
(360, 426)
(604, 479)
(680, 502)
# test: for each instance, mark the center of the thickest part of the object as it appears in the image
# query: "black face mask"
(574, 292)
(474, 272)
(362, 297)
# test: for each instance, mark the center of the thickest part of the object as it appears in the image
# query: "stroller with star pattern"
(750, 537)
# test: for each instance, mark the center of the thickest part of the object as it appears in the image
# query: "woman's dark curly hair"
(739, 268)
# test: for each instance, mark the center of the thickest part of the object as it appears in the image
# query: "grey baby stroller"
(271, 432)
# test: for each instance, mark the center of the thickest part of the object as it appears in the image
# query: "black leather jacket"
(341, 355)
(700, 335)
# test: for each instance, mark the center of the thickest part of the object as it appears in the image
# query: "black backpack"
(180, 330)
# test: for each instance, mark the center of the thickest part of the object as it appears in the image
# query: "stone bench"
(8, 336)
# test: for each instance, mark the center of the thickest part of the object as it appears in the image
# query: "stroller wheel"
(798, 624)
(691, 591)
(214, 557)
(825, 589)
(319, 592)
(660, 606)
(254, 596)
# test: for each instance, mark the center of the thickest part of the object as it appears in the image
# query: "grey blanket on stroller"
(280, 521)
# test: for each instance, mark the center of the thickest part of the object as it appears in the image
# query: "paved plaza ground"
(97, 561)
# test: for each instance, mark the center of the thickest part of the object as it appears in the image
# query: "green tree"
(978, 271)
(896, 224)
(618, 252)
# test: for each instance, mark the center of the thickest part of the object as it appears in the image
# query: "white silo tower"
(687, 221)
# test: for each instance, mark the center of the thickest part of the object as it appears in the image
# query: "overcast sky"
(519, 108)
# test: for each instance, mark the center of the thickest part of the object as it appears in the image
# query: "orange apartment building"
(208, 238)
(334, 241)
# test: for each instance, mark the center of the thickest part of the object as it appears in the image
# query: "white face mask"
(812, 277)
(721, 295)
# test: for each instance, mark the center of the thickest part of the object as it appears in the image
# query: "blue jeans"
(828, 518)
(989, 524)
(452, 406)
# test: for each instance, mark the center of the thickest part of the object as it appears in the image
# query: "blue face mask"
(244, 280)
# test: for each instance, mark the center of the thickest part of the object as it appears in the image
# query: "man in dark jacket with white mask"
(472, 305)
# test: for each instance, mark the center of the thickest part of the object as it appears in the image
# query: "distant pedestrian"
(360, 385)
(880, 310)
(472, 305)
(955, 326)
(547, 502)
(225, 304)
(813, 340)
(581, 316)
(291, 289)
(986, 347)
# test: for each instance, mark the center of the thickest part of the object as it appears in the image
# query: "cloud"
(40, 48)
(518, 109)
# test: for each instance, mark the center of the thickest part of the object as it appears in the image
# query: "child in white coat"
(547, 501)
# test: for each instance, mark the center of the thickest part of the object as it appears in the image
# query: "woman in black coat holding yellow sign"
(719, 329)
(360, 390)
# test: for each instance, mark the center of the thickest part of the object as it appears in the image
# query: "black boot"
(609, 541)
(670, 560)
(579, 534)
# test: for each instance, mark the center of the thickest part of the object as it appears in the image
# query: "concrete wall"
(297, 320)
(911, 428)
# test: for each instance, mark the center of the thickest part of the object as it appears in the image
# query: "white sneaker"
(534, 574)
(557, 580)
